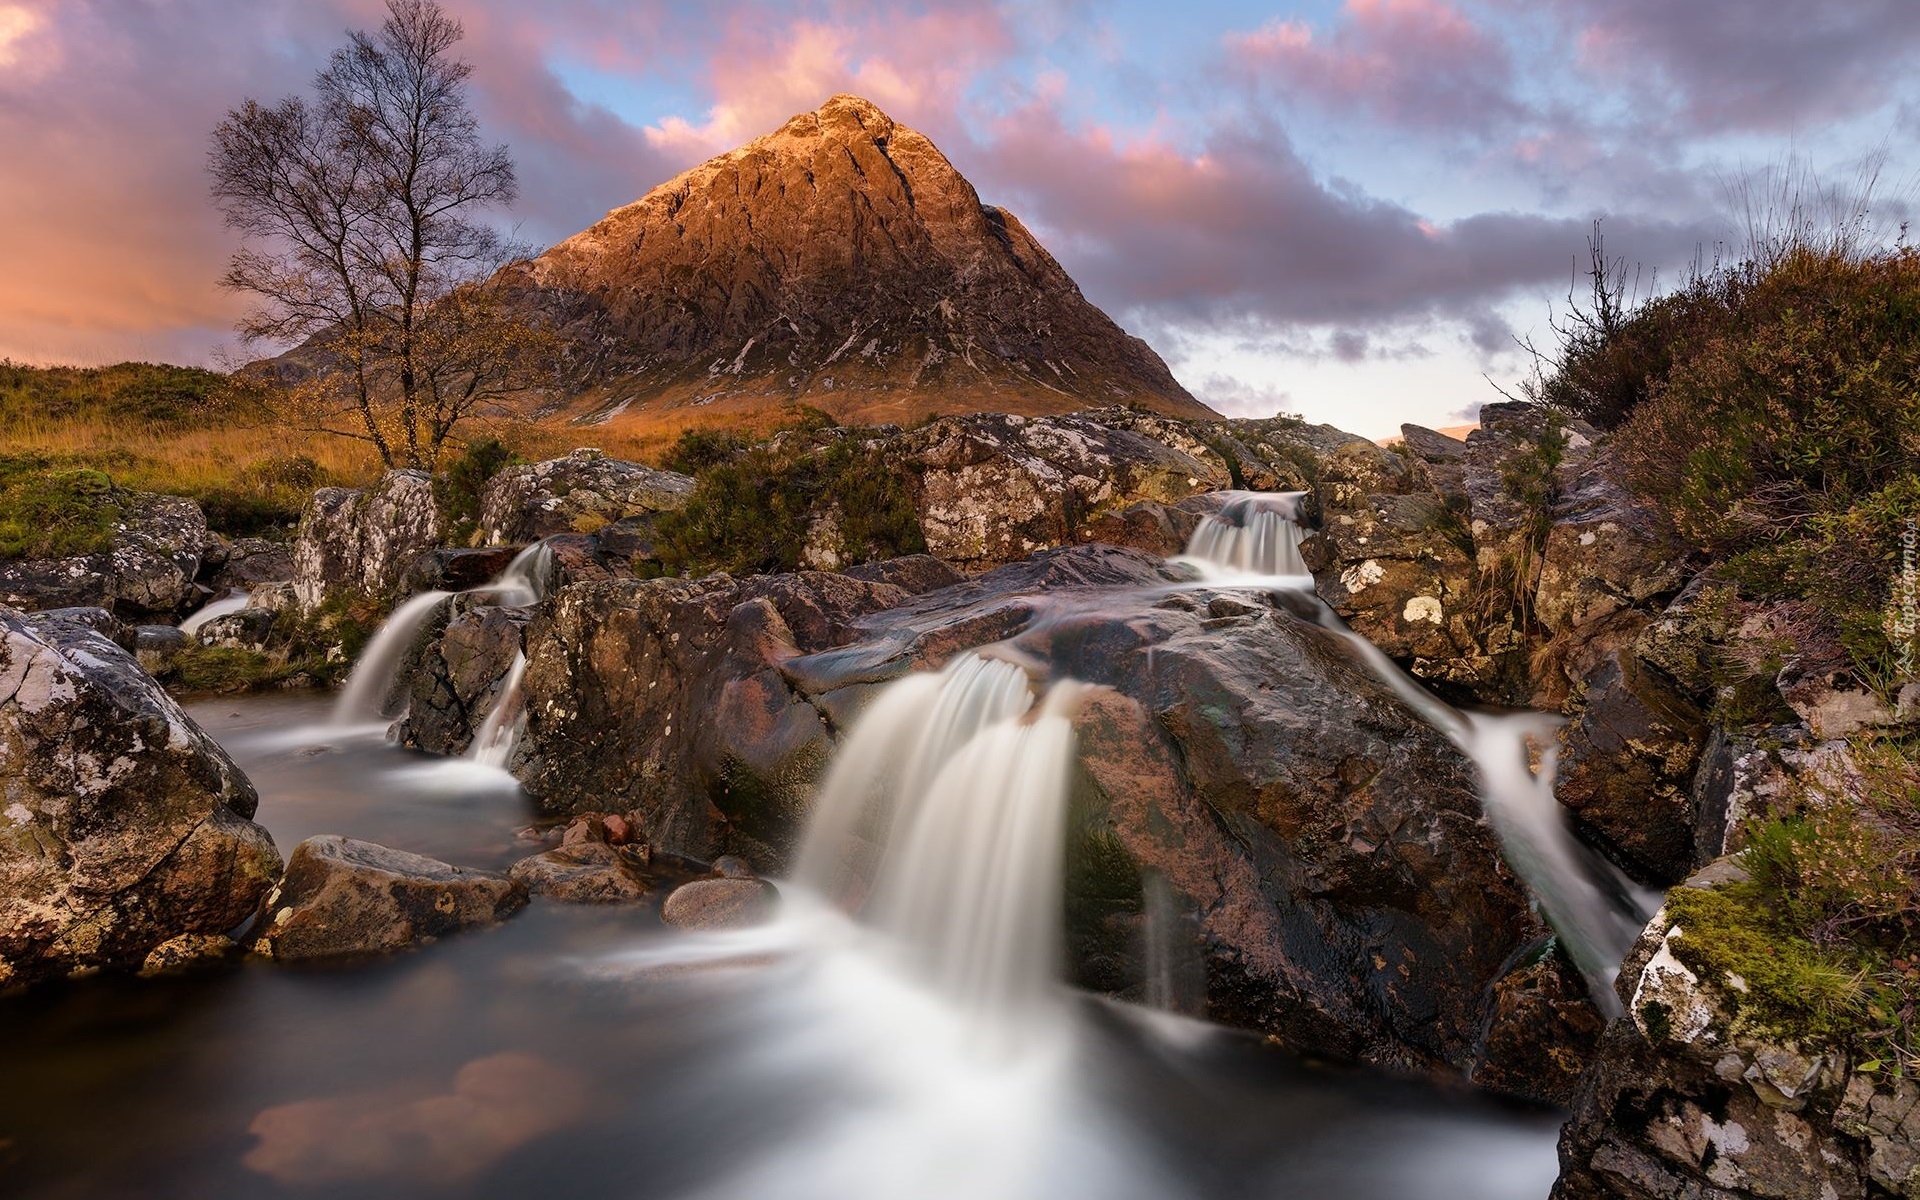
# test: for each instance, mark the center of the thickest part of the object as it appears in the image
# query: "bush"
(53, 512)
(460, 487)
(751, 513)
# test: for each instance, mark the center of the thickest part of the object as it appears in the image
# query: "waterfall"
(524, 581)
(1589, 902)
(1255, 534)
(952, 793)
(371, 682)
(493, 745)
(230, 603)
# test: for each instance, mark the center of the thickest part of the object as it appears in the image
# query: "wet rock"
(1542, 1030)
(1149, 527)
(581, 493)
(678, 685)
(451, 569)
(995, 487)
(156, 645)
(732, 866)
(341, 897)
(248, 562)
(124, 826)
(429, 1135)
(148, 571)
(1323, 842)
(1685, 1099)
(459, 675)
(720, 904)
(914, 574)
(186, 952)
(244, 629)
(1628, 765)
(586, 872)
(364, 543)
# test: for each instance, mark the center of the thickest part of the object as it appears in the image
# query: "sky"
(1347, 210)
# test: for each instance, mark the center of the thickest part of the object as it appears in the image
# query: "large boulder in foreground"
(147, 571)
(581, 493)
(344, 897)
(364, 543)
(1692, 1095)
(123, 826)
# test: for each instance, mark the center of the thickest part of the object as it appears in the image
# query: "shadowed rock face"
(122, 825)
(841, 261)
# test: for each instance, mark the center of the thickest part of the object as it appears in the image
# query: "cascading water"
(493, 744)
(1255, 534)
(949, 800)
(232, 602)
(371, 684)
(364, 700)
(1591, 905)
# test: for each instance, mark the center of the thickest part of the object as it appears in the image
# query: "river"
(589, 1052)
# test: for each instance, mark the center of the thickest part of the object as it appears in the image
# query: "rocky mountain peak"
(840, 261)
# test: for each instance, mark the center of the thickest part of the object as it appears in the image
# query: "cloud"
(1416, 63)
(1722, 65)
(1243, 228)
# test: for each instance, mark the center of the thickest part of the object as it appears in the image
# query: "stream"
(589, 1052)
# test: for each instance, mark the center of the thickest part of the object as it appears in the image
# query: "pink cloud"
(1412, 62)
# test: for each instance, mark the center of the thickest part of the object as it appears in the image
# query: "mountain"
(841, 262)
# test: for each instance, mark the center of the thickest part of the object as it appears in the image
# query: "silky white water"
(232, 602)
(1255, 534)
(1596, 911)
(372, 683)
(493, 744)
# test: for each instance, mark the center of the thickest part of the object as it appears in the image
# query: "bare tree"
(361, 205)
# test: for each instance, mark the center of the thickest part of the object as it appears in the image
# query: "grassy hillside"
(191, 432)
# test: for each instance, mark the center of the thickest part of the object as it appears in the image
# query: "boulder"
(996, 487)
(1833, 701)
(581, 493)
(364, 543)
(243, 629)
(343, 897)
(914, 574)
(1688, 1099)
(1605, 550)
(156, 645)
(148, 571)
(677, 686)
(1320, 839)
(458, 676)
(123, 826)
(453, 569)
(1395, 567)
(725, 903)
(586, 873)
(1630, 754)
(246, 563)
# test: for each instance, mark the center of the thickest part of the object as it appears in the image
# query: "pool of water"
(591, 1053)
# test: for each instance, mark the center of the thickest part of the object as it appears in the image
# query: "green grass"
(56, 512)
